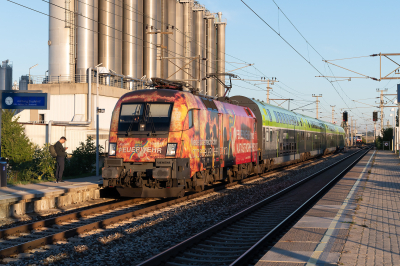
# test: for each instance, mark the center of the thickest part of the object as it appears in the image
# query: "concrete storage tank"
(61, 50)
(150, 38)
(187, 29)
(23, 83)
(107, 33)
(171, 39)
(119, 13)
(86, 38)
(221, 26)
(130, 44)
(179, 48)
(6, 75)
(140, 38)
(96, 34)
(199, 40)
(211, 53)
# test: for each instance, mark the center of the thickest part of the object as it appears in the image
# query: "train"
(166, 141)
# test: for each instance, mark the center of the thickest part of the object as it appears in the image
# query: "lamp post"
(29, 81)
(97, 119)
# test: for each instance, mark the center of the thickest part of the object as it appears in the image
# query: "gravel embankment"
(145, 236)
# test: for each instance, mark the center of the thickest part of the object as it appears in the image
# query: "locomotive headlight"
(171, 149)
(112, 149)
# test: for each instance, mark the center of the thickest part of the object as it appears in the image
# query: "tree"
(387, 135)
(83, 158)
(15, 145)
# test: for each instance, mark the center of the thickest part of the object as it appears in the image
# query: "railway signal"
(375, 116)
(345, 116)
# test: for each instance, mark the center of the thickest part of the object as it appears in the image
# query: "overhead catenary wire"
(298, 51)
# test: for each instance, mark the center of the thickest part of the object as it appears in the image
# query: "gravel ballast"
(140, 238)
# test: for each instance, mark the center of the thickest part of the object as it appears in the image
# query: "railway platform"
(356, 223)
(19, 200)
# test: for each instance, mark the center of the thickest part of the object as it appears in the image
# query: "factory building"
(6, 75)
(109, 47)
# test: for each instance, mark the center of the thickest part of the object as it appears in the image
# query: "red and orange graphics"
(141, 149)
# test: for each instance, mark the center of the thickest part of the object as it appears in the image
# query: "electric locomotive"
(166, 141)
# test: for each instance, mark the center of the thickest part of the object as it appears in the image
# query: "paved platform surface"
(318, 238)
(375, 232)
(46, 189)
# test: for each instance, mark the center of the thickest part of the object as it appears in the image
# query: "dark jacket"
(60, 150)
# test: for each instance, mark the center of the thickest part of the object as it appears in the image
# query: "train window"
(286, 118)
(153, 116)
(209, 104)
(269, 114)
(281, 118)
(276, 117)
(270, 136)
(190, 115)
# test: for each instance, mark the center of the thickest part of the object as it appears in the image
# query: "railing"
(110, 80)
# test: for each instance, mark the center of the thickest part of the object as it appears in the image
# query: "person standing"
(61, 154)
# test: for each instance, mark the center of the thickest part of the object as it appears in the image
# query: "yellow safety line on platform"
(328, 234)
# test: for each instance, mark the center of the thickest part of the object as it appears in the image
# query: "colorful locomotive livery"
(164, 142)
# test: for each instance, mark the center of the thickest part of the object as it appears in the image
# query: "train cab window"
(145, 117)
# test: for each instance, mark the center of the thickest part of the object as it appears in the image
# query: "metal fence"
(104, 79)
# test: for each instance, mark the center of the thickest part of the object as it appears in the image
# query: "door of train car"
(266, 143)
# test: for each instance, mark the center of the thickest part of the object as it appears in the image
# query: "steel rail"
(306, 205)
(175, 250)
(50, 239)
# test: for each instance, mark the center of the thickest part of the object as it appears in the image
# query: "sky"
(332, 29)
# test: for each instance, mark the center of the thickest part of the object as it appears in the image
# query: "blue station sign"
(23, 100)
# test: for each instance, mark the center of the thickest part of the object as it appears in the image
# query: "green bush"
(83, 159)
(15, 145)
(40, 167)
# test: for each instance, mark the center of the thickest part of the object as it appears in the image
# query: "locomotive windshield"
(145, 117)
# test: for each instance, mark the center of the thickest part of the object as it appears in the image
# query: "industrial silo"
(140, 38)
(86, 38)
(150, 38)
(23, 83)
(96, 34)
(6, 75)
(179, 48)
(107, 33)
(61, 41)
(164, 39)
(171, 39)
(211, 44)
(187, 39)
(130, 55)
(221, 26)
(198, 46)
(119, 13)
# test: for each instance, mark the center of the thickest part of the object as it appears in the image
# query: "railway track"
(31, 236)
(237, 239)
